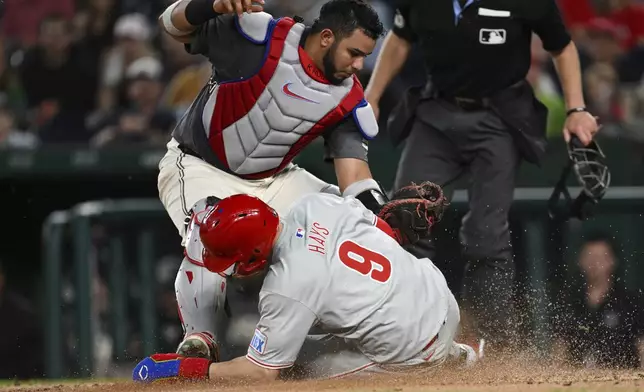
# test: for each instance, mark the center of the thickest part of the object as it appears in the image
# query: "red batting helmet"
(239, 230)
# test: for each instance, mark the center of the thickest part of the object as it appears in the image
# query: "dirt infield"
(509, 376)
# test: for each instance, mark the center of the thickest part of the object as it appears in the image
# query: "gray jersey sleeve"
(281, 331)
(345, 141)
(231, 54)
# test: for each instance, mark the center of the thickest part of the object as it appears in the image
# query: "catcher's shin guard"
(199, 345)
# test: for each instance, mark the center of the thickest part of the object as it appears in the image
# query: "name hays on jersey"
(317, 238)
(258, 343)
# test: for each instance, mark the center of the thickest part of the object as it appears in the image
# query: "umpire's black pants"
(445, 143)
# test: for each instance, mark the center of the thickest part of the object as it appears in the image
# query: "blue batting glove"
(170, 367)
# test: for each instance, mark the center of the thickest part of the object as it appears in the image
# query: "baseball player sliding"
(276, 86)
(329, 263)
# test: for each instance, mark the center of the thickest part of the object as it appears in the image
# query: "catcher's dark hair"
(343, 17)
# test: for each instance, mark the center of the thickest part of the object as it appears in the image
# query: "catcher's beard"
(328, 61)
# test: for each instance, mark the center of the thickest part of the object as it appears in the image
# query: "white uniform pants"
(340, 362)
(183, 181)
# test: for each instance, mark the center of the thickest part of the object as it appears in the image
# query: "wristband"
(194, 368)
(368, 192)
(576, 110)
(166, 18)
(199, 12)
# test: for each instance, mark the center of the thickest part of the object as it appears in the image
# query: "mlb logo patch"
(299, 233)
(258, 343)
(492, 36)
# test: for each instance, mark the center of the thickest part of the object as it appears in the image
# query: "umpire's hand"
(238, 6)
(582, 124)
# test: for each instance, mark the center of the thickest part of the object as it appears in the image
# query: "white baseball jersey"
(332, 267)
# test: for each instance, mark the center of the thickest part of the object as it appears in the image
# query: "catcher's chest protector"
(258, 125)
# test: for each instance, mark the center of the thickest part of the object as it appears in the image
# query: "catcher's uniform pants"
(444, 144)
(184, 180)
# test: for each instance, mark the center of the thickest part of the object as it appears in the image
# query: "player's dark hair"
(343, 17)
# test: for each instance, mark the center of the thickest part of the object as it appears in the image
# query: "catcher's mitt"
(413, 210)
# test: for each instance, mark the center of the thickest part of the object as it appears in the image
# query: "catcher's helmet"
(588, 164)
(238, 230)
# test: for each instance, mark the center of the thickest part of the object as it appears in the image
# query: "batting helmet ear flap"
(592, 174)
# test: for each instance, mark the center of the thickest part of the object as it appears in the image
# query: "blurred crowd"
(610, 37)
(99, 73)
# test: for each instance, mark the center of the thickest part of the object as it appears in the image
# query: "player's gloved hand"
(413, 210)
(170, 367)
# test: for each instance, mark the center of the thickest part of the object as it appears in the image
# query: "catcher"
(330, 264)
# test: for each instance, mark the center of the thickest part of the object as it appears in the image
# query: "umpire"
(477, 116)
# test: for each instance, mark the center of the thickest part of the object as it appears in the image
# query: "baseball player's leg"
(330, 357)
(448, 350)
(428, 155)
(485, 234)
(184, 179)
(201, 298)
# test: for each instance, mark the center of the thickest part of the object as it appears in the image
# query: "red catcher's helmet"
(240, 230)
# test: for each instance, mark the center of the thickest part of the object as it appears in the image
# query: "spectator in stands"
(10, 136)
(630, 16)
(11, 94)
(600, 321)
(22, 344)
(96, 22)
(141, 119)
(94, 27)
(604, 37)
(600, 76)
(576, 15)
(186, 75)
(602, 92)
(175, 58)
(633, 111)
(133, 35)
(545, 88)
(184, 87)
(60, 89)
(22, 19)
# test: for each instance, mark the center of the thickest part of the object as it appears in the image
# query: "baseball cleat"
(199, 345)
(465, 354)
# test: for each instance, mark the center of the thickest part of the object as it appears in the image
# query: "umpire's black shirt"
(475, 48)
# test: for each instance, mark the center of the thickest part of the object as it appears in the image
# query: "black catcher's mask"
(593, 176)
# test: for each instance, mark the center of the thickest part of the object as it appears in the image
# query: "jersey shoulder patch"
(255, 27)
(365, 120)
(258, 343)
